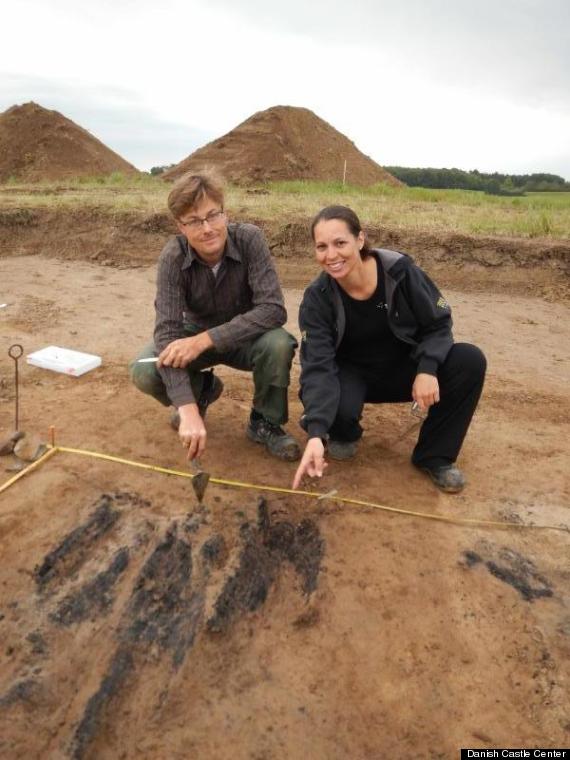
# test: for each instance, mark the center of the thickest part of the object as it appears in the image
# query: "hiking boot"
(341, 449)
(274, 438)
(212, 388)
(447, 477)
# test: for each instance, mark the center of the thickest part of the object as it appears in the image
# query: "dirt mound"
(38, 144)
(285, 143)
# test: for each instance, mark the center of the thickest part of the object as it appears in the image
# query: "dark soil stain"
(23, 691)
(95, 597)
(164, 611)
(72, 552)
(214, 551)
(266, 546)
(120, 668)
(39, 645)
(164, 608)
(28, 692)
(68, 557)
(302, 545)
(307, 553)
(471, 558)
(514, 569)
(247, 589)
(308, 618)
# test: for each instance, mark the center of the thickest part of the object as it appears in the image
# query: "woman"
(376, 329)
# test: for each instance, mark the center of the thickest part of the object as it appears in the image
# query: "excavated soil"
(282, 143)
(39, 144)
(536, 267)
(135, 623)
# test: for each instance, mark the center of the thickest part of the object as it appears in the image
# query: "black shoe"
(447, 477)
(341, 449)
(274, 438)
(212, 388)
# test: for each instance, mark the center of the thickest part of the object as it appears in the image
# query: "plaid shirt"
(242, 302)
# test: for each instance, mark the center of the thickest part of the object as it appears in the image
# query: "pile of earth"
(38, 144)
(285, 143)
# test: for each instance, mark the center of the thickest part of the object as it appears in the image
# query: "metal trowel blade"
(200, 482)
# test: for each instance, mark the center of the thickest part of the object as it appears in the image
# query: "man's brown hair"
(190, 189)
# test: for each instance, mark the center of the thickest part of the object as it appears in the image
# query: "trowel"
(200, 480)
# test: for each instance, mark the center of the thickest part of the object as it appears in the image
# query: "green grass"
(114, 192)
(459, 211)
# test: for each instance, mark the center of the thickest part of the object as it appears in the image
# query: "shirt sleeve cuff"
(181, 397)
(316, 430)
(220, 338)
(428, 366)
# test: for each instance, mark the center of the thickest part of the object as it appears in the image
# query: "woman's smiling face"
(337, 250)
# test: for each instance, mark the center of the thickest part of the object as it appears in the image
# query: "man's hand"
(313, 461)
(425, 391)
(192, 431)
(181, 352)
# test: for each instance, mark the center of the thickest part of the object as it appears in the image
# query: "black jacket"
(417, 314)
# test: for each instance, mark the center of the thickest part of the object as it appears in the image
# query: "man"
(218, 301)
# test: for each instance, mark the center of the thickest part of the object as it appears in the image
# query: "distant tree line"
(495, 183)
(156, 170)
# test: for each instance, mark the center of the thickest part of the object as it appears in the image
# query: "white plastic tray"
(64, 360)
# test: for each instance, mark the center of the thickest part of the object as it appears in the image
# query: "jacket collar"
(393, 264)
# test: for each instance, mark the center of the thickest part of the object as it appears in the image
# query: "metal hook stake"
(15, 352)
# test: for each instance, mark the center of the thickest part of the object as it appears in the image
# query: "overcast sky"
(468, 83)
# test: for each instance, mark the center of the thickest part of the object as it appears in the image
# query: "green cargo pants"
(268, 357)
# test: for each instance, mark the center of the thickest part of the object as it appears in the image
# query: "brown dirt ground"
(419, 638)
(281, 143)
(39, 144)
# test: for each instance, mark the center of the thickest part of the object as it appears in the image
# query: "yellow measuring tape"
(276, 489)
(49, 453)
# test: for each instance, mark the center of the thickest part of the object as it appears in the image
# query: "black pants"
(460, 380)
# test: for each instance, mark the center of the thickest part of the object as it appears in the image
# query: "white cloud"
(422, 82)
(517, 48)
(113, 115)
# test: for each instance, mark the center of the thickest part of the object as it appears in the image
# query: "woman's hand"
(192, 431)
(313, 461)
(425, 391)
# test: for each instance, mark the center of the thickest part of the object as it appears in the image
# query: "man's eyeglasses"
(196, 222)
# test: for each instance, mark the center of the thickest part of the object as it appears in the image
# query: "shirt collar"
(230, 251)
